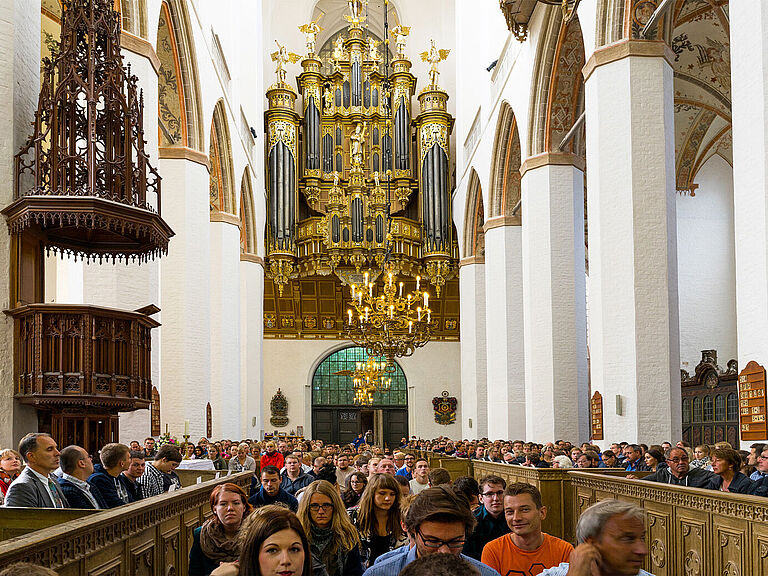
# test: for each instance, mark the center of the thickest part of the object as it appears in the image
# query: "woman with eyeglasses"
(377, 518)
(333, 540)
(356, 483)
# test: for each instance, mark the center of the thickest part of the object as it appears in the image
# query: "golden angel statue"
(328, 99)
(373, 49)
(310, 32)
(356, 10)
(434, 56)
(358, 144)
(338, 49)
(400, 33)
(282, 57)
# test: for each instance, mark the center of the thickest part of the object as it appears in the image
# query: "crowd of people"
(359, 509)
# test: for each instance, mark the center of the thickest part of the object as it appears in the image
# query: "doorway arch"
(336, 419)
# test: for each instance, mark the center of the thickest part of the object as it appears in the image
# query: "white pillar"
(225, 328)
(749, 86)
(19, 89)
(251, 345)
(504, 329)
(634, 326)
(474, 387)
(185, 362)
(556, 379)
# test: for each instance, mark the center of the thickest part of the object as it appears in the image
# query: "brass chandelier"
(368, 378)
(387, 323)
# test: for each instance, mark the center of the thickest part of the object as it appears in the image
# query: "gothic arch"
(222, 185)
(178, 93)
(247, 223)
(505, 165)
(332, 13)
(474, 218)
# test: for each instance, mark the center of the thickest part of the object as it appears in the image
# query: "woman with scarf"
(10, 468)
(217, 541)
(332, 538)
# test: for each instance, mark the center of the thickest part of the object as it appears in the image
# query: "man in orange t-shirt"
(526, 551)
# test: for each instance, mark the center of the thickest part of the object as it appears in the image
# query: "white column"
(749, 86)
(225, 329)
(185, 362)
(251, 345)
(19, 89)
(556, 379)
(634, 326)
(474, 391)
(504, 329)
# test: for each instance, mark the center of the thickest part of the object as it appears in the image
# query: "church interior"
(409, 219)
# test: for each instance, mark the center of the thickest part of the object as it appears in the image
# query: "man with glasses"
(679, 472)
(407, 469)
(761, 468)
(437, 522)
(491, 523)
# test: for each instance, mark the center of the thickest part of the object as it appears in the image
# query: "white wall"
(289, 365)
(706, 266)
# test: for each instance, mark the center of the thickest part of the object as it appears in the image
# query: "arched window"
(732, 407)
(719, 408)
(696, 410)
(332, 389)
(686, 411)
(708, 409)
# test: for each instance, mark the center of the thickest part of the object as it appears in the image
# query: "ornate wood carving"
(83, 177)
(208, 421)
(752, 406)
(596, 406)
(155, 417)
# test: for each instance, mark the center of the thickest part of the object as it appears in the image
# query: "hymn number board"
(752, 406)
(597, 416)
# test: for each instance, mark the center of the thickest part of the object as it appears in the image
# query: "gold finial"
(434, 56)
(356, 16)
(310, 32)
(282, 57)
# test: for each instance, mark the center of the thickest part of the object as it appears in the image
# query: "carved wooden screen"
(155, 412)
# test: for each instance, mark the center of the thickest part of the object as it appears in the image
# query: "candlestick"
(353, 291)
(186, 427)
(401, 289)
(426, 299)
(370, 290)
(349, 312)
(418, 279)
(410, 326)
(418, 311)
(366, 278)
(390, 279)
(391, 312)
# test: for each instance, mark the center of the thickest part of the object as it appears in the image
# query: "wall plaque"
(596, 409)
(752, 412)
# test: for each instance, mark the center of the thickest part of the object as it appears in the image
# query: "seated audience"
(357, 482)
(217, 540)
(420, 480)
(633, 461)
(332, 538)
(440, 565)
(654, 459)
(10, 468)
(679, 473)
(242, 462)
(611, 540)
(294, 478)
(409, 461)
(760, 476)
(272, 457)
(489, 516)
(526, 549)
(343, 470)
(561, 461)
(159, 474)
(471, 490)
(377, 518)
(438, 522)
(214, 455)
(115, 459)
(130, 477)
(77, 467)
(270, 491)
(726, 463)
(35, 487)
(702, 459)
(386, 466)
(405, 485)
(274, 543)
(588, 459)
(149, 448)
(439, 476)
(610, 460)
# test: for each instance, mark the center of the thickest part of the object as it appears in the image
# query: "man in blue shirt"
(634, 459)
(407, 469)
(761, 466)
(271, 492)
(438, 522)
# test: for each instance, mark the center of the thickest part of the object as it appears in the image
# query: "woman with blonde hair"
(240, 460)
(377, 518)
(11, 464)
(333, 539)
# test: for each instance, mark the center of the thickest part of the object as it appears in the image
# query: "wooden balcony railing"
(84, 355)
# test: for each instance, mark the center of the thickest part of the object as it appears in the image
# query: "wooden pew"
(149, 537)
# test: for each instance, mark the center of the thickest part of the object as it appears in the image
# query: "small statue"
(373, 51)
(434, 56)
(328, 99)
(311, 31)
(335, 179)
(338, 49)
(376, 179)
(358, 142)
(282, 57)
(400, 33)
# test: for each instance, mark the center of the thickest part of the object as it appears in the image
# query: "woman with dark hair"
(377, 518)
(356, 484)
(216, 542)
(273, 544)
(213, 454)
(333, 540)
(726, 464)
(654, 458)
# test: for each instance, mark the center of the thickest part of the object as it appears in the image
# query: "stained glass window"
(331, 389)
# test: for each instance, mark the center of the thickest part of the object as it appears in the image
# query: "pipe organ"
(354, 180)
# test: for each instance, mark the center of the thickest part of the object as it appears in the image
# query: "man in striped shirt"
(159, 474)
